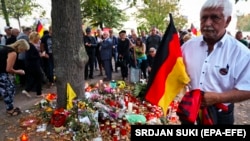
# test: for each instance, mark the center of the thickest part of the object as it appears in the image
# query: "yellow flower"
(49, 109)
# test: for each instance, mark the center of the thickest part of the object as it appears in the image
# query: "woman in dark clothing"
(8, 57)
(33, 66)
(123, 47)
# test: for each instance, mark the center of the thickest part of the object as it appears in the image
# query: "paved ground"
(10, 128)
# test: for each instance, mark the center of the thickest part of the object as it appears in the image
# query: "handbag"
(134, 74)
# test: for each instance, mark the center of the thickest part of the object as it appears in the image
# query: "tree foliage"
(4, 12)
(20, 8)
(102, 13)
(155, 13)
(243, 23)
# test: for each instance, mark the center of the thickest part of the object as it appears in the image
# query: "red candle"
(124, 121)
(115, 137)
(102, 127)
(24, 137)
(123, 131)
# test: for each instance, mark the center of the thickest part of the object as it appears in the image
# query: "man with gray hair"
(7, 30)
(106, 55)
(217, 64)
(25, 34)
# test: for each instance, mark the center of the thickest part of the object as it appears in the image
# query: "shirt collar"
(219, 43)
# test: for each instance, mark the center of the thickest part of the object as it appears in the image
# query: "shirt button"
(205, 61)
(201, 83)
(203, 72)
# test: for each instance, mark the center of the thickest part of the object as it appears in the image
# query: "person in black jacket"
(123, 47)
(33, 67)
(90, 46)
(150, 59)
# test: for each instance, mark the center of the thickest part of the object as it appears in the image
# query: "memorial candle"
(24, 137)
(130, 107)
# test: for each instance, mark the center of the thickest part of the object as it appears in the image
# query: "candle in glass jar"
(123, 131)
(130, 107)
(102, 127)
(124, 121)
(115, 137)
(24, 137)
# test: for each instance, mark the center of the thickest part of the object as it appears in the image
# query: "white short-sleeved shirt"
(225, 68)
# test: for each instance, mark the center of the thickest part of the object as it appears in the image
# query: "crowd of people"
(217, 63)
(26, 57)
(108, 52)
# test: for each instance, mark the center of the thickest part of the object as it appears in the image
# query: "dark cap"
(88, 29)
(123, 31)
(27, 29)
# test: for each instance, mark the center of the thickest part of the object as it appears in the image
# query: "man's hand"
(210, 98)
(87, 44)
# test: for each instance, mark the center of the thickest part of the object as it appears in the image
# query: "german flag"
(193, 29)
(39, 28)
(168, 76)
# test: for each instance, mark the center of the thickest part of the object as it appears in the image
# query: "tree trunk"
(19, 23)
(5, 13)
(101, 25)
(69, 52)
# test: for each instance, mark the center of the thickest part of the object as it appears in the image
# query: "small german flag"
(39, 28)
(168, 76)
(194, 30)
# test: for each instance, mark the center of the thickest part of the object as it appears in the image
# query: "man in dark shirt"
(14, 34)
(114, 50)
(48, 59)
(90, 46)
(150, 59)
(7, 30)
(153, 40)
(239, 37)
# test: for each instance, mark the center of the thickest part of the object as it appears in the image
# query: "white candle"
(130, 107)
(101, 81)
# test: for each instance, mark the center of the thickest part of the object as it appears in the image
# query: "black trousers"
(34, 79)
(89, 67)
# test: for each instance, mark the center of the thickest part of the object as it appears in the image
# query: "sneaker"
(26, 93)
